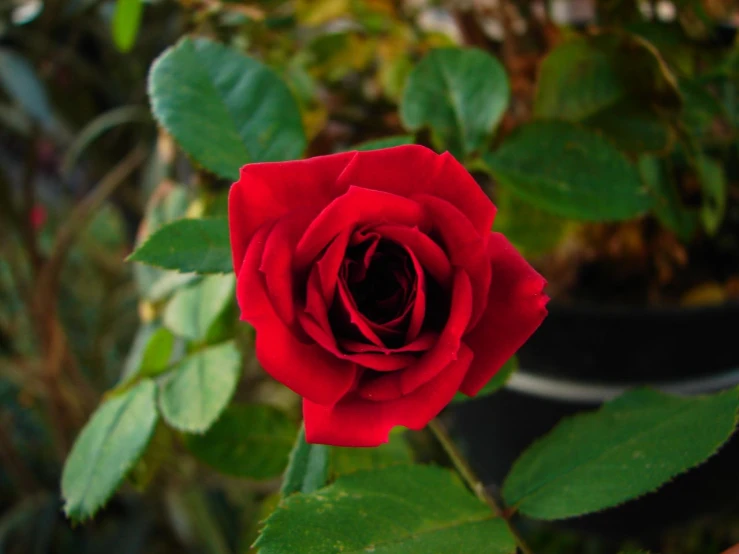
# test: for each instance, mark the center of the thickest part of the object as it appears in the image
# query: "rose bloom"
(376, 287)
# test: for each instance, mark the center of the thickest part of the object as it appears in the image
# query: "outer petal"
(413, 169)
(276, 263)
(516, 307)
(305, 368)
(266, 191)
(358, 422)
(454, 184)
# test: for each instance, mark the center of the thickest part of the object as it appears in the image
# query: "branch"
(474, 482)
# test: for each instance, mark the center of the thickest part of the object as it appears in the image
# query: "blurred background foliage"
(86, 175)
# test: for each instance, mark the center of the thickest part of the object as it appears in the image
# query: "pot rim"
(590, 308)
(593, 392)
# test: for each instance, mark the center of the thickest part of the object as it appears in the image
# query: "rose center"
(380, 277)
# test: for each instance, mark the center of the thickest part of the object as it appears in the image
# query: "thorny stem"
(474, 482)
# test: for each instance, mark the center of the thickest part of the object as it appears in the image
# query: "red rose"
(375, 286)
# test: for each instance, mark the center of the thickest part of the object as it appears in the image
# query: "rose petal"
(429, 254)
(307, 369)
(351, 314)
(466, 249)
(516, 307)
(371, 360)
(276, 261)
(330, 263)
(454, 184)
(423, 342)
(357, 422)
(356, 207)
(414, 169)
(444, 351)
(266, 191)
(418, 310)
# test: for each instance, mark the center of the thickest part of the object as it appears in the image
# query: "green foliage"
(22, 84)
(629, 447)
(199, 245)
(106, 449)
(632, 127)
(569, 171)
(460, 94)
(193, 310)
(248, 440)
(197, 390)
(497, 382)
(157, 354)
(167, 203)
(311, 465)
(386, 142)
(400, 509)
(615, 83)
(225, 109)
(126, 22)
(576, 80)
(150, 353)
(308, 467)
(349, 460)
(713, 184)
(700, 107)
(668, 207)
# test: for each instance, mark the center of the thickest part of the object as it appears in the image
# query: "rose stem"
(473, 482)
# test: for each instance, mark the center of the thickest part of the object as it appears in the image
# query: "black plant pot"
(582, 356)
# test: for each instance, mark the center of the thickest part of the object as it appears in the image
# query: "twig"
(81, 215)
(57, 353)
(474, 482)
(28, 233)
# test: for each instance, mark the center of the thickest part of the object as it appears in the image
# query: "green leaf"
(700, 107)
(629, 447)
(225, 109)
(199, 245)
(531, 230)
(496, 383)
(386, 142)
(307, 469)
(167, 203)
(576, 80)
(668, 207)
(198, 388)
(632, 127)
(126, 22)
(461, 94)
(22, 84)
(713, 183)
(106, 449)
(349, 460)
(248, 440)
(588, 75)
(150, 353)
(157, 353)
(192, 310)
(570, 172)
(399, 510)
